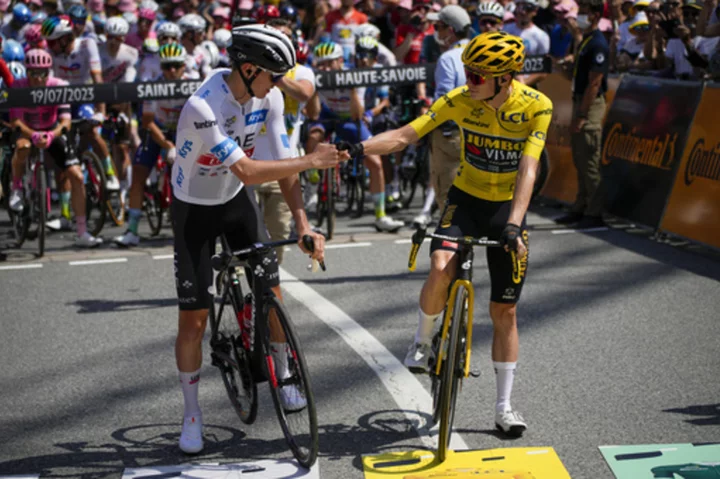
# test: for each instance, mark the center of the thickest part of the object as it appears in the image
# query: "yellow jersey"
(492, 141)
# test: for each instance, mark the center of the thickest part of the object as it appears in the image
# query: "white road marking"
(263, 469)
(404, 387)
(22, 476)
(22, 266)
(585, 230)
(98, 261)
(347, 245)
(163, 256)
(403, 241)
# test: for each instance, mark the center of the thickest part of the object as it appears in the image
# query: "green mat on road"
(667, 461)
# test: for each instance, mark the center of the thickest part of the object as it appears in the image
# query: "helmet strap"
(248, 81)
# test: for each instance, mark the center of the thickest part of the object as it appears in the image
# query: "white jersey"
(292, 114)
(202, 60)
(386, 57)
(537, 41)
(149, 68)
(214, 132)
(121, 67)
(75, 68)
(167, 111)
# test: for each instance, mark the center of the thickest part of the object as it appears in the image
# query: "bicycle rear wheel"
(453, 371)
(322, 192)
(152, 204)
(331, 196)
(299, 426)
(95, 192)
(235, 367)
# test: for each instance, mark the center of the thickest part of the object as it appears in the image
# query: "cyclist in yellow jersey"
(503, 125)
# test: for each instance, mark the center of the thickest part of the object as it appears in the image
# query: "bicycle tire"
(244, 399)
(409, 179)
(40, 201)
(303, 444)
(116, 207)
(152, 205)
(321, 206)
(360, 192)
(95, 192)
(331, 194)
(452, 373)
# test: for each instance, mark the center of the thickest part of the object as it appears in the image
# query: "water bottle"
(248, 333)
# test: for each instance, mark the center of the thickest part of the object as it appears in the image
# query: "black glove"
(509, 236)
(356, 150)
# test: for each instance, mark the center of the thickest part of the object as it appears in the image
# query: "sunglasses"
(38, 72)
(489, 21)
(525, 7)
(172, 66)
(644, 28)
(274, 77)
(475, 78)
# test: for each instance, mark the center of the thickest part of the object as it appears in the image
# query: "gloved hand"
(355, 150)
(42, 139)
(98, 117)
(171, 155)
(509, 237)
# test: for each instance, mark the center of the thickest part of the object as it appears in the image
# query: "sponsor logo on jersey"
(470, 121)
(204, 124)
(208, 159)
(70, 68)
(224, 149)
(229, 122)
(448, 101)
(431, 114)
(656, 152)
(476, 112)
(180, 177)
(285, 141)
(517, 118)
(703, 163)
(205, 94)
(185, 149)
(255, 117)
(532, 94)
(224, 88)
(549, 111)
(114, 73)
(538, 135)
(492, 154)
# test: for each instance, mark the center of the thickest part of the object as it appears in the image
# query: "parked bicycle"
(95, 179)
(451, 345)
(240, 342)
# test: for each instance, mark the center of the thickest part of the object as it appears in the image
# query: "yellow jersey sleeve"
(539, 124)
(444, 109)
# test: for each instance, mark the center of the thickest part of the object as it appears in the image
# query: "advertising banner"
(643, 140)
(694, 207)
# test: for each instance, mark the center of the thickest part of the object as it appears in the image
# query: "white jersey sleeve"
(93, 53)
(275, 124)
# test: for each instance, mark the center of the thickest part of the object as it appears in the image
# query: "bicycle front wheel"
(289, 382)
(152, 205)
(331, 197)
(95, 192)
(452, 371)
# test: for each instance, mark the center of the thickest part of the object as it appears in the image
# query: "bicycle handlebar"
(421, 233)
(222, 260)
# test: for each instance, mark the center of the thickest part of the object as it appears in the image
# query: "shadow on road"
(108, 306)
(705, 415)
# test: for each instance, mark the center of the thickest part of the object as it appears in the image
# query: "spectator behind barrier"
(565, 35)
(536, 41)
(341, 24)
(409, 36)
(632, 57)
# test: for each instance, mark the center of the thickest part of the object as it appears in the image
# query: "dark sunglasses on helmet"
(489, 21)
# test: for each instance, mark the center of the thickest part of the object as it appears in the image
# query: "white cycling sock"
(429, 200)
(504, 376)
(279, 354)
(426, 323)
(190, 383)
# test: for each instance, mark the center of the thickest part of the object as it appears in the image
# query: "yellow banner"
(693, 210)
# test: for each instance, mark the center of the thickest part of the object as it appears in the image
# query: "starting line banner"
(134, 92)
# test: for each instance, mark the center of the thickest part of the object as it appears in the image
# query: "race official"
(589, 88)
(452, 25)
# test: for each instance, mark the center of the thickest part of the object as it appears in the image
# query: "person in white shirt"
(537, 41)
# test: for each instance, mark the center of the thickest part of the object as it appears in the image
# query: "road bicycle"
(157, 195)
(112, 128)
(30, 222)
(241, 336)
(96, 193)
(451, 345)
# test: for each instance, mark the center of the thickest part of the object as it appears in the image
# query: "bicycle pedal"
(475, 374)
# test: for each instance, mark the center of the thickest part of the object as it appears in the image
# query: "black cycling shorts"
(466, 215)
(196, 228)
(63, 153)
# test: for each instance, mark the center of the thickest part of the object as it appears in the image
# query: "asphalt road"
(619, 338)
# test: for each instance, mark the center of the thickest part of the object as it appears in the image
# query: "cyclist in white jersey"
(77, 61)
(208, 177)
(193, 28)
(118, 62)
(159, 122)
(297, 86)
(149, 68)
(536, 40)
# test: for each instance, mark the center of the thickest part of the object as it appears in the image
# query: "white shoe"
(88, 241)
(291, 398)
(59, 224)
(417, 359)
(127, 239)
(16, 201)
(510, 422)
(421, 220)
(191, 440)
(386, 223)
(112, 183)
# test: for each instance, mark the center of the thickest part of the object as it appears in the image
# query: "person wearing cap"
(686, 55)
(631, 56)
(564, 34)
(623, 16)
(453, 26)
(537, 41)
(409, 36)
(589, 87)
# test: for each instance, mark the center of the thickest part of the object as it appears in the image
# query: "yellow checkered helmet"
(496, 53)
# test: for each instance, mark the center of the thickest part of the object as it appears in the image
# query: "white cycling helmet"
(222, 37)
(149, 4)
(192, 22)
(367, 30)
(263, 46)
(213, 52)
(491, 9)
(117, 26)
(169, 29)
